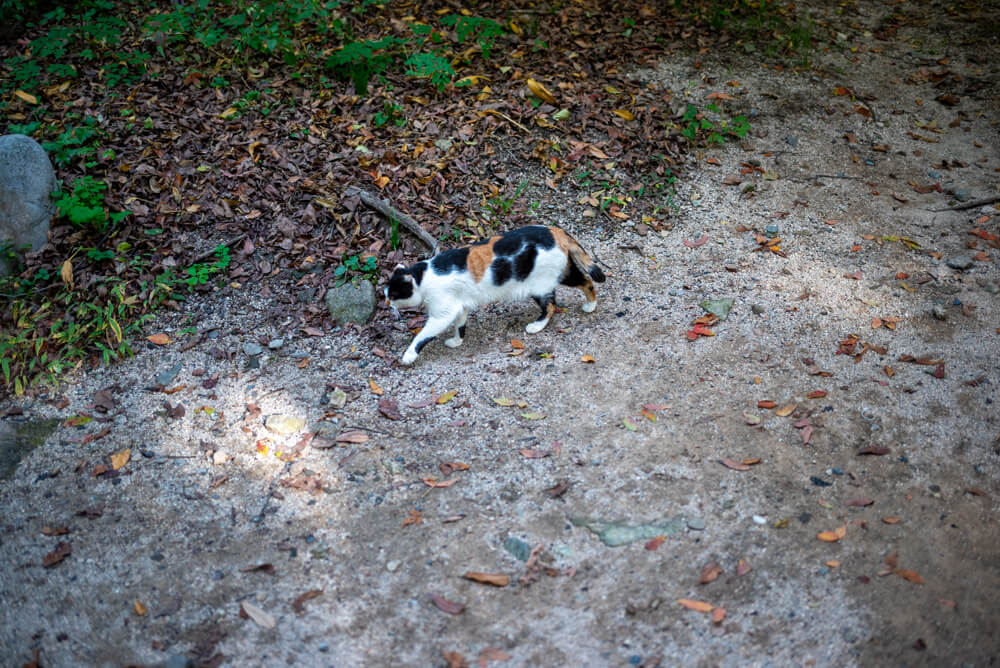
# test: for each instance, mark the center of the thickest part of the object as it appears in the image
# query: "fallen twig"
(392, 213)
(208, 254)
(969, 205)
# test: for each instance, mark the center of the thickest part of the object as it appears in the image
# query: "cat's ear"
(399, 266)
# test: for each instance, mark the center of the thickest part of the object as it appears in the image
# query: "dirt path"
(336, 558)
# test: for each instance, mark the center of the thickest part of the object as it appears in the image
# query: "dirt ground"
(356, 552)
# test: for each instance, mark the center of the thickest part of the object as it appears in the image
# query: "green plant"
(697, 127)
(200, 273)
(430, 66)
(83, 205)
(497, 208)
(391, 113)
(368, 270)
(74, 142)
(485, 31)
(358, 62)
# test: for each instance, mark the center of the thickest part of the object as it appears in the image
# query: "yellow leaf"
(533, 416)
(785, 411)
(228, 112)
(517, 344)
(539, 91)
(446, 397)
(27, 97)
(160, 339)
(253, 147)
(381, 182)
(120, 459)
(67, 273)
(376, 390)
(587, 359)
(116, 329)
(624, 113)
(139, 608)
(471, 80)
(503, 401)
(697, 606)
(833, 536)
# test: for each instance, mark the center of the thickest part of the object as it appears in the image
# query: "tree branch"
(392, 213)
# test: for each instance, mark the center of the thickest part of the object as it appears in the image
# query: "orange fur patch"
(480, 258)
(563, 240)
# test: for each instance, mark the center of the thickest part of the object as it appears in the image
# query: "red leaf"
(655, 543)
(734, 464)
(444, 605)
(860, 503)
(54, 557)
(700, 241)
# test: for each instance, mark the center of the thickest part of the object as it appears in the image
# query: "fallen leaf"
(718, 615)
(833, 563)
(891, 519)
(785, 410)
(55, 531)
(159, 339)
(352, 436)
(61, 551)
(655, 543)
(624, 113)
(250, 611)
(859, 503)
(558, 489)
(488, 654)
(297, 604)
(27, 97)
(697, 606)
(742, 567)
(874, 450)
(587, 359)
(533, 416)
(816, 394)
(910, 576)
(139, 608)
(700, 241)
(503, 401)
(376, 390)
(495, 579)
(262, 568)
(120, 459)
(413, 517)
(540, 91)
(734, 465)
(710, 573)
(389, 408)
(431, 482)
(517, 344)
(833, 536)
(534, 454)
(766, 404)
(444, 605)
(445, 398)
(454, 660)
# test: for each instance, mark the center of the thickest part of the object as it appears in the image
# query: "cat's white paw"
(453, 342)
(536, 326)
(588, 307)
(409, 357)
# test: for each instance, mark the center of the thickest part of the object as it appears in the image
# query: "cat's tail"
(584, 263)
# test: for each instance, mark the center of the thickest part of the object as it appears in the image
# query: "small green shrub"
(353, 266)
(84, 206)
(696, 127)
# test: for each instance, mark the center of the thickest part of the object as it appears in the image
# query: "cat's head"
(403, 290)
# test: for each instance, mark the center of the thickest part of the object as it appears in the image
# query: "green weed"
(353, 267)
(699, 129)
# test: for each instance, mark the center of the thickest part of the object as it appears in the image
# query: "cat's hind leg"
(548, 306)
(435, 325)
(456, 340)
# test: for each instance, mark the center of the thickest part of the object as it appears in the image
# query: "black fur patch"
(524, 262)
(502, 271)
(399, 287)
(543, 303)
(574, 278)
(461, 332)
(418, 271)
(512, 241)
(450, 260)
(420, 346)
(596, 273)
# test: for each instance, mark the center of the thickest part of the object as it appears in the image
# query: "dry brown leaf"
(413, 517)
(742, 567)
(910, 576)
(160, 339)
(710, 573)
(495, 579)
(892, 519)
(120, 459)
(718, 615)
(587, 359)
(61, 551)
(250, 611)
(446, 397)
(785, 410)
(297, 604)
(444, 605)
(734, 464)
(431, 482)
(833, 536)
(352, 436)
(139, 608)
(697, 606)
(540, 91)
(376, 390)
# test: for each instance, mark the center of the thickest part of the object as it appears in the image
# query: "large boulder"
(351, 302)
(26, 183)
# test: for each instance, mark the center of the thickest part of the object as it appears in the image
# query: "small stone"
(819, 482)
(939, 312)
(771, 231)
(759, 519)
(284, 424)
(517, 548)
(758, 309)
(351, 302)
(323, 647)
(337, 398)
(642, 229)
(275, 344)
(251, 349)
(178, 661)
(392, 566)
(718, 307)
(960, 262)
(792, 141)
(168, 376)
(220, 457)
(991, 287)
(696, 524)
(962, 195)
(980, 469)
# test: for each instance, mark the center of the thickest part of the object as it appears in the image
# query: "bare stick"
(392, 213)
(208, 254)
(969, 205)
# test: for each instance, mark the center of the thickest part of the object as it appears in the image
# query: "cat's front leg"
(430, 331)
(456, 340)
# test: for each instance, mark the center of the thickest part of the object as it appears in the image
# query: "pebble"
(696, 524)
(178, 661)
(792, 141)
(758, 309)
(980, 469)
(252, 349)
(961, 262)
(771, 231)
(220, 457)
(991, 287)
(323, 647)
(758, 519)
(635, 660)
(517, 548)
(819, 482)
(168, 376)
(962, 195)
(284, 424)
(275, 344)
(933, 174)
(393, 565)
(939, 312)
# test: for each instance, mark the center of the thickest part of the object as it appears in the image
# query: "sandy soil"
(200, 524)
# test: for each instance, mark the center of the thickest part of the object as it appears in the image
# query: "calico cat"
(527, 262)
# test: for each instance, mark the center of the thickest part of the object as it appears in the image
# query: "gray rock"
(275, 344)
(962, 195)
(351, 302)
(718, 307)
(991, 287)
(961, 262)
(939, 312)
(251, 349)
(168, 376)
(518, 549)
(616, 534)
(26, 181)
(178, 661)
(696, 524)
